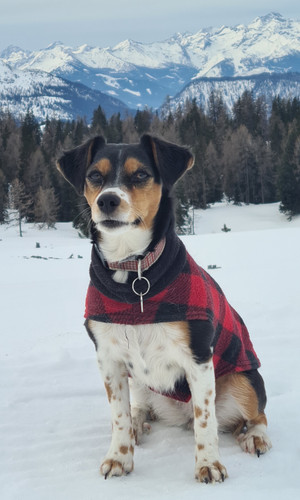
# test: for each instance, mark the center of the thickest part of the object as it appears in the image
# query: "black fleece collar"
(159, 275)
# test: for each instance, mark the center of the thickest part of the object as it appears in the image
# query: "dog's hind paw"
(140, 426)
(255, 441)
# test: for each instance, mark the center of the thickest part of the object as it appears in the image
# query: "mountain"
(143, 74)
(270, 44)
(285, 85)
(157, 70)
(50, 96)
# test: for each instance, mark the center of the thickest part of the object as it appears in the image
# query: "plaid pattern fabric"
(193, 295)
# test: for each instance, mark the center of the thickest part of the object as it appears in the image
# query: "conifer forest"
(246, 155)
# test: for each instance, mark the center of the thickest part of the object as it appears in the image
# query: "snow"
(262, 43)
(30, 87)
(152, 55)
(109, 80)
(133, 92)
(232, 89)
(95, 57)
(55, 419)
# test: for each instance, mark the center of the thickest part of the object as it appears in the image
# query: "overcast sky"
(34, 24)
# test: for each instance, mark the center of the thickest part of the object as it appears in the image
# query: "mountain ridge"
(50, 96)
(264, 85)
(184, 49)
(143, 74)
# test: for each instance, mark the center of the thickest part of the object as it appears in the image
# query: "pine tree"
(3, 196)
(219, 121)
(19, 204)
(239, 166)
(46, 207)
(114, 129)
(80, 131)
(289, 175)
(182, 206)
(99, 122)
(30, 139)
(142, 121)
(129, 131)
(213, 175)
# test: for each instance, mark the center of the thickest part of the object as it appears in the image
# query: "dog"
(169, 346)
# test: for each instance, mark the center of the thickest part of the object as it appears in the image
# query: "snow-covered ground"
(54, 416)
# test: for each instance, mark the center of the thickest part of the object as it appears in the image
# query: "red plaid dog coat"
(192, 296)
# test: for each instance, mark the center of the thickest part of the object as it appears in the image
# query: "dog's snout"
(108, 202)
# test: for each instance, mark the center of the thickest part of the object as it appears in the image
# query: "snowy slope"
(47, 95)
(152, 55)
(286, 86)
(263, 46)
(54, 416)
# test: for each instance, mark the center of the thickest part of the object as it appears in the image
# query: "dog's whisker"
(139, 215)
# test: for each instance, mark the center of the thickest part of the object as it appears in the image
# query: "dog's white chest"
(152, 354)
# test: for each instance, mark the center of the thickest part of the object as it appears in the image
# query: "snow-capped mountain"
(143, 74)
(270, 44)
(144, 82)
(231, 88)
(47, 95)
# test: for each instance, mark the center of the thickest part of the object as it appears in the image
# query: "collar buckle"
(139, 279)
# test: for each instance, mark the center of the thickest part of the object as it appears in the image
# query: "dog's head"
(124, 183)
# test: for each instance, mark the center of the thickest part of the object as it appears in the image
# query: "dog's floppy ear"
(74, 163)
(171, 160)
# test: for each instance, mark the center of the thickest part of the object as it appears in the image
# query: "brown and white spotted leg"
(201, 380)
(119, 458)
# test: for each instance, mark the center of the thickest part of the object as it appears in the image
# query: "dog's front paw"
(120, 465)
(211, 473)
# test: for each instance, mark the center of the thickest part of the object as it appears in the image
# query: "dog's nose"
(108, 202)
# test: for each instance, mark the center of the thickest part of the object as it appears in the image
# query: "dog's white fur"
(155, 356)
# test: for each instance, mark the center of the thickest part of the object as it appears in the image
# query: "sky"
(34, 24)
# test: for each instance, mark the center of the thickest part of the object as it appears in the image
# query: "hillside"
(287, 86)
(47, 95)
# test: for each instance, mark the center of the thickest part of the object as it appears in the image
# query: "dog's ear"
(74, 163)
(171, 160)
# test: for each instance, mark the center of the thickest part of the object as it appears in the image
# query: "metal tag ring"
(139, 279)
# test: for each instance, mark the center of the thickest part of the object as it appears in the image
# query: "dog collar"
(162, 271)
(139, 264)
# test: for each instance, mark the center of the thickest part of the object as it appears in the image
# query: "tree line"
(246, 155)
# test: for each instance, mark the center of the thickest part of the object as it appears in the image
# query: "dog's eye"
(95, 177)
(140, 176)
